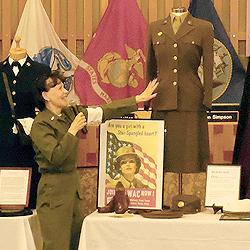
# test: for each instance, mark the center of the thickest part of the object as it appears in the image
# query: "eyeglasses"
(122, 162)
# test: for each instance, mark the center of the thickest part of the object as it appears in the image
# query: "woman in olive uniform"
(54, 134)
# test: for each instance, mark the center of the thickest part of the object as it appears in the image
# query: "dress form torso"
(177, 19)
(182, 99)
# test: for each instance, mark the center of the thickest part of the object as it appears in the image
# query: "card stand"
(15, 206)
(8, 211)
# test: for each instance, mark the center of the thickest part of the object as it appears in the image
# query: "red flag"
(113, 64)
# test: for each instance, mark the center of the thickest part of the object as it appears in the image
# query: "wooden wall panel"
(168, 6)
(152, 5)
(87, 21)
(21, 4)
(76, 21)
(14, 13)
(72, 26)
(55, 15)
(47, 6)
(234, 6)
(145, 9)
(161, 9)
(6, 27)
(218, 5)
(63, 20)
(103, 6)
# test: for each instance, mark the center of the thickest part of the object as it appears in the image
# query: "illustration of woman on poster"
(127, 163)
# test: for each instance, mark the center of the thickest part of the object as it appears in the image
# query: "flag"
(229, 74)
(114, 62)
(147, 171)
(43, 45)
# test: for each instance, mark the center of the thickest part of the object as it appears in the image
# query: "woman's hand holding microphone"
(78, 123)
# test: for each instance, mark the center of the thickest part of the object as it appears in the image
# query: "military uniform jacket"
(21, 90)
(174, 59)
(56, 149)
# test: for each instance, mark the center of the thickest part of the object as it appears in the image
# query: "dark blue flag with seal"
(229, 74)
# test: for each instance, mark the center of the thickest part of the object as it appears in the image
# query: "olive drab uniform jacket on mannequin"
(182, 99)
(12, 154)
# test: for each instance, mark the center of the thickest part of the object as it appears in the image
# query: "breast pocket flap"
(57, 202)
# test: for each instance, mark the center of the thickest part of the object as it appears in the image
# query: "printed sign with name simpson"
(131, 152)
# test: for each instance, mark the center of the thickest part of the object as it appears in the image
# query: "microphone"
(73, 105)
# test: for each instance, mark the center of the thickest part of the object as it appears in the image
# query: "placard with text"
(14, 187)
(222, 184)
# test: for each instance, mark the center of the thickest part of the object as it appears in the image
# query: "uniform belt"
(45, 171)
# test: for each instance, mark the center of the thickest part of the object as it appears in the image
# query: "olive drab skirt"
(186, 146)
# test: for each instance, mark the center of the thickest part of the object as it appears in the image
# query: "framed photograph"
(131, 152)
(14, 187)
(222, 184)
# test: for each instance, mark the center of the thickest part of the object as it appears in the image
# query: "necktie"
(176, 23)
(16, 67)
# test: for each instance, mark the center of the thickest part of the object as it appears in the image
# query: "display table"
(16, 234)
(200, 231)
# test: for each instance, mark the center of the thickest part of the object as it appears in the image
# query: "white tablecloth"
(15, 233)
(191, 232)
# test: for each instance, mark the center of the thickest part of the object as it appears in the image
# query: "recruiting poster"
(131, 152)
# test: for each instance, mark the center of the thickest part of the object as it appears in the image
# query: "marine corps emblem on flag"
(222, 71)
(119, 72)
(113, 63)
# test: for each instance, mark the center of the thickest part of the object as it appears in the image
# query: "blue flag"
(229, 74)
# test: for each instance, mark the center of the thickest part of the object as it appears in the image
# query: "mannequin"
(21, 72)
(18, 53)
(177, 17)
(182, 100)
(179, 10)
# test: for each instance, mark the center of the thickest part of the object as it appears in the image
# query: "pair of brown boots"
(119, 202)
